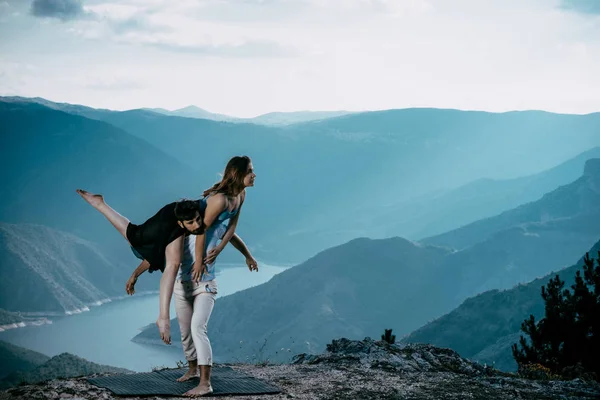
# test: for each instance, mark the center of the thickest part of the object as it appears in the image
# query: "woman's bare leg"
(116, 219)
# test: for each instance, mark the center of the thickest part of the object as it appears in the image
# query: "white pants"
(194, 303)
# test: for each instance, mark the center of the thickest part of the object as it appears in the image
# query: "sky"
(249, 57)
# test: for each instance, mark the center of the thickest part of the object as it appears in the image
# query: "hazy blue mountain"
(271, 119)
(360, 288)
(48, 271)
(485, 326)
(14, 358)
(445, 210)
(295, 117)
(195, 112)
(62, 366)
(529, 241)
(578, 197)
(501, 145)
(399, 153)
(75, 109)
(313, 174)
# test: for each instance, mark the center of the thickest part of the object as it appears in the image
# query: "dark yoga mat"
(224, 380)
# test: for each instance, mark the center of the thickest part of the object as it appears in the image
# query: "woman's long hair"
(232, 183)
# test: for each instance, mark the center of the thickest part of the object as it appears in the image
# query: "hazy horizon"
(297, 111)
(248, 57)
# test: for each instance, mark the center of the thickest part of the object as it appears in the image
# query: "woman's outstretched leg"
(116, 219)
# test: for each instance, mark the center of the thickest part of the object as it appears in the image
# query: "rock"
(366, 370)
(395, 357)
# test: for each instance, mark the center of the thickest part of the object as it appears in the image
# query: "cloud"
(4, 10)
(136, 24)
(174, 28)
(253, 49)
(64, 10)
(114, 84)
(15, 77)
(582, 6)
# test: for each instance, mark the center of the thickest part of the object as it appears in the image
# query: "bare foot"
(200, 390)
(95, 200)
(192, 373)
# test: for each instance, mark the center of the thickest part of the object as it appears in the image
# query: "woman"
(195, 287)
(223, 206)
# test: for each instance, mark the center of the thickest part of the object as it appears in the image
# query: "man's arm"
(173, 255)
(130, 285)
(198, 267)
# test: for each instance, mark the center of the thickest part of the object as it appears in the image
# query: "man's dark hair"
(186, 210)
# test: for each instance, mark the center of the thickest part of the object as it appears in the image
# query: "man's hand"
(164, 329)
(130, 285)
(252, 264)
(198, 269)
(213, 254)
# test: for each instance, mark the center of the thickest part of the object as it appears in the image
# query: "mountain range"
(444, 210)
(269, 119)
(372, 162)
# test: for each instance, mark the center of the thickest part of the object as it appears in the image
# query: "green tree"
(568, 337)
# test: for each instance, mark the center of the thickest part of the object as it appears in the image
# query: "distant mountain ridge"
(579, 197)
(296, 117)
(269, 119)
(75, 109)
(446, 210)
(141, 160)
(194, 112)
